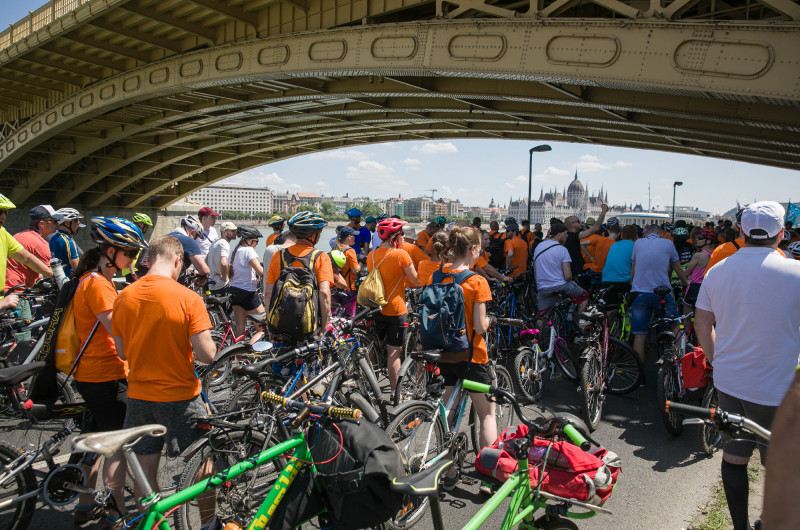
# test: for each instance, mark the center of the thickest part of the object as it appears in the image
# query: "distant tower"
(575, 193)
(491, 204)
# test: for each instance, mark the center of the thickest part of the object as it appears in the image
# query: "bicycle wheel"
(526, 373)
(16, 516)
(554, 523)
(237, 498)
(411, 342)
(667, 390)
(591, 389)
(247, 396)
(412, 380)
(503, 413)
(375, 352)
(710, 439)
(565, 358)
(218, 371)
(624, 368)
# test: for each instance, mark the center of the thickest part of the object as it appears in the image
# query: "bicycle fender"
(394, 411)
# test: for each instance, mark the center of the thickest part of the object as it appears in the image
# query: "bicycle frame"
(442, 411)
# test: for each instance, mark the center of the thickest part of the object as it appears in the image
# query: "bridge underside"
(150, 134)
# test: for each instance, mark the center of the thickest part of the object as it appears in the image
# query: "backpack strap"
(735, 244)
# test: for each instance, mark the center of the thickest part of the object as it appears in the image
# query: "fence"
(38, 19)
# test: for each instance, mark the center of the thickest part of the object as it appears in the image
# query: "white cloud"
(450, 193)
(341, 154)
(369, 170)
(321, 184)
(551, 174)
(412, 161)
(591, 164)
(260, 178)
(436, 148)
(589, 158)
(622, 163)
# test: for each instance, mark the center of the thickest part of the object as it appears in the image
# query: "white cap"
(764, 215)
(409, 232)
(227, 225)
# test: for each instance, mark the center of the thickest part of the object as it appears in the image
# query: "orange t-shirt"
(415, 253)
(426, 269)
(481, 263)
(422, 239)
(348, 271)
(592, 248)
(99, 362)
(322, 266)
(156, 316)
(601, 253)
(520, 258)
(476, 290)
(392, 269)
(722, 252)
(271, 238)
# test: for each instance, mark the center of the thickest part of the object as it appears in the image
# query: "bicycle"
(557, 331)
(721, 420)
(525, 498)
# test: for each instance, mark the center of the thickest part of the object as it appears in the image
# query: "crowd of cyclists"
(128, 378)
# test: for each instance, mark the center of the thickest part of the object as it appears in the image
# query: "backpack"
(294, 307)
(355, 483)
(495, 250)
(371, 292)
(441, 310)
(587, 476)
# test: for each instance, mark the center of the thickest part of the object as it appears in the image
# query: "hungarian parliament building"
(575, 200)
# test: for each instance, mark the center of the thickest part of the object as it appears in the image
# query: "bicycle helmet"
(142, 218)
(65, 215)
(248, 232)
(353, 212)
(117, 232)
(612, 221)
(511, 220)
(382, 217)
(669, 227)
(794, 248)
(707, 233)
(338, 258)
(441, 221)
(680, 234)
(275, 220)
(306, 224)
(390, 226)
(5, 203)
(190, 222)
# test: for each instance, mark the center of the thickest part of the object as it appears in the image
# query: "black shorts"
(248, 300)
(452, 372)
(745, 444)
(690, 298)
(107, 402)
(392, 329)
(616, 291)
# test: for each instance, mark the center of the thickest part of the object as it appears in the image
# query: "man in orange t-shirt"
(164, 328)
(515, 250)
(276, 223)
(595, 247)
(425, 236)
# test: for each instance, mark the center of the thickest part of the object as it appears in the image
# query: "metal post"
(674, 186)
(538, 149)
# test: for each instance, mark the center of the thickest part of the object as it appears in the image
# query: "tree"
(370, 208)
(306, 208)
(328, 209)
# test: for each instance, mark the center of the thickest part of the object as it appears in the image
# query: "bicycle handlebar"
(326, 410)
(719, 417)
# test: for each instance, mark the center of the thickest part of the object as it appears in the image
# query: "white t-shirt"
(205, 244)
(754, 297)
(268, 253)
(549, 272)
(219, 249)
(244, 277)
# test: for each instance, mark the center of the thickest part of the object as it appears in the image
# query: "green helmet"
(142, 218)
(338, 258)
(5, 203)
(441, 221)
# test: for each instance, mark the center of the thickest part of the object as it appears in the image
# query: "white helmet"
(65, 215)
(191, 222)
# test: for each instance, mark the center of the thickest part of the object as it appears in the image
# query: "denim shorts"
(176, 416)
(644, 306)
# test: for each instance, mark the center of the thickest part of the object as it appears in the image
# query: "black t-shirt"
(573, 245)
(685, 252)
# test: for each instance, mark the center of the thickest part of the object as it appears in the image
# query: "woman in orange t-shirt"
(345, 240)
(439, 252)
(100, 373)
(395, 265)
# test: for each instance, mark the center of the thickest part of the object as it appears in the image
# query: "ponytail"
(90, 261)
(440, 246)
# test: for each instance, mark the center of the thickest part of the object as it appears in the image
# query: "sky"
(475, 171)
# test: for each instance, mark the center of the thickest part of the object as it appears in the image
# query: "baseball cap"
(206, 211)
(763, 215)
(227, 225)
(557, 228)
(370, 219)
(346, 231)
(409, 232)
(42, 212)
(590, 221)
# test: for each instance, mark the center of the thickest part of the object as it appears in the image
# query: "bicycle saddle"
(662, 291)
(17, 374)
(109, 443)
(218, 300)
(258, 318)
(422, 483)
(432, 356)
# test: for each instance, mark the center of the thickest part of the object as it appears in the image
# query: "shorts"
(452, 372)
(392, 329)
(247, 300)
(690, 298)
(548, 296)
(643, 308)
(176, 416)
(107, 401)
(744, 445)
(616, 290)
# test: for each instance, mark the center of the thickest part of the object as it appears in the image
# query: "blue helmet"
(118, 232)
(306, 224)
(353, 212)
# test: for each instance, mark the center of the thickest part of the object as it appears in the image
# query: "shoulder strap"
(735, 244)
(542, 252)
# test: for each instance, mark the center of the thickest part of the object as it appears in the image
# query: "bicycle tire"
(504, 413)
(591, 389)
(554, 523)
(375, 354)
(411, 340)
(412, 380)
(526, 374)
(667, 389)
(220, 453)
(708, 435)
(248, 395)
(17, 516)
(624, 366)
(566, 360)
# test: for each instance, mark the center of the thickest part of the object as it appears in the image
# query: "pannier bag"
(294, 307)
(570, 472)
(695, 369)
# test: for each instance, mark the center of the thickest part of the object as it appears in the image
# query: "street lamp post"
(538, 149)
(674, 185)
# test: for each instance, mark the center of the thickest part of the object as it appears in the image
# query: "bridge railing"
(38, 19)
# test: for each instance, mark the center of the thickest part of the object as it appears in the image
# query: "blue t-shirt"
(63, 247)
(653, 257)
(364, 236)
(618, 262)
(190, 248)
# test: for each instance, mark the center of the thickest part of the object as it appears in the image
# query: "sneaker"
(486, 489)
(449, 483)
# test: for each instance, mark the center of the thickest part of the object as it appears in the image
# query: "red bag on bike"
(695, 369)
(570, 472)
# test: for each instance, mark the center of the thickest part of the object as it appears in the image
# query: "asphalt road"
(663, 479)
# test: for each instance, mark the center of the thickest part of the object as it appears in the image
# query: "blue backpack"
(441, 308)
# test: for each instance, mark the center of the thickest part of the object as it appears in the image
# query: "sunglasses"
(130, 253)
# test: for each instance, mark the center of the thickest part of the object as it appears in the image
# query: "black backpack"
(355, 483)
(294, 307)
(497, 257)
